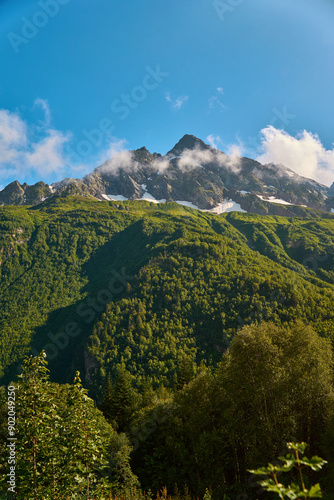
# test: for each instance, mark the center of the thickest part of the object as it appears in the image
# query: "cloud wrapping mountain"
(192, 173)
(304, 154)
(38, 148)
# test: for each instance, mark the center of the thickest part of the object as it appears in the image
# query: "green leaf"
(315, 491)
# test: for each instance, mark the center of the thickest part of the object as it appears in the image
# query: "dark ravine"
(192, 172)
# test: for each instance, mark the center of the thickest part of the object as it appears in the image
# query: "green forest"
(159, 351)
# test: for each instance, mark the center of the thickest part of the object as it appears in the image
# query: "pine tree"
(186, 373)
(124, 400)
(107, 399)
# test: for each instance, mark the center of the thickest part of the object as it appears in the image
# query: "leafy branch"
(295, 460)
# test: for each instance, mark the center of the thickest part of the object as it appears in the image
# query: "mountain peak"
(143, 149)
(142, 155)
(206, 178)
(14, 186)
(188, 142)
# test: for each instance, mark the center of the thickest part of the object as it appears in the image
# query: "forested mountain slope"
(152, 287)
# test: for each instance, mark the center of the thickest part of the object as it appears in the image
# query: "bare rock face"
(22, 194)
(193, 172)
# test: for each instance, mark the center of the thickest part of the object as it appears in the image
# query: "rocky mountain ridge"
(191, 173)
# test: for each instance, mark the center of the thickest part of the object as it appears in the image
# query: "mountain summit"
(192, 173)
(189, 142)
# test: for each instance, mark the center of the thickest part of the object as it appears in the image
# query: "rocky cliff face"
(22, 194)
(193, 173)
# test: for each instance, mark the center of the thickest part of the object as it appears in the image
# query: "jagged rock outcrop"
(192, 172)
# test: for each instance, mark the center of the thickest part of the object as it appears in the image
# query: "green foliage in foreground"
(296, 460)
(65, 448)
(272, 386)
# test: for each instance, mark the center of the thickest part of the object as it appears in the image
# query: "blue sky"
(253, 77)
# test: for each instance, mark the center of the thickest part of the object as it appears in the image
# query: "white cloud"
(47, 154)
(116, 157)
(22, 151)
(113, 157)
(233, 151)
(13, 136)
(43, 103)
(215, 103)
(161, 165)
(178, 102)
(213, 140)
(193, 158)
(115, 147)
(304, 154)
(236, 150)
(123, 160)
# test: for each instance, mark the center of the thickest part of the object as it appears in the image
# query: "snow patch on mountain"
(272, 199)
(223, 207)
(115, 197)
(188, 204)
(227, 206)
(149, 197)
